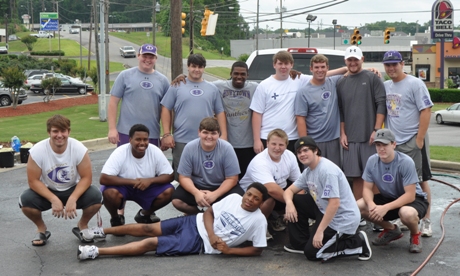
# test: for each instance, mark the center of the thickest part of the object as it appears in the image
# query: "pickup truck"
(127, 51)
(42, 34)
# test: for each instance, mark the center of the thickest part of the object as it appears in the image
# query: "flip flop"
(43, 237)
(76, 231)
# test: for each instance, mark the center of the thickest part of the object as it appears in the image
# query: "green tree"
(93, 75)
(13, 79)
(29, 41)
(49, 85)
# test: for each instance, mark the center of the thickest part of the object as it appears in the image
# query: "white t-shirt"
(59, 171)
(264, 170)
(233, 224)
(274, 99)
(122, 163)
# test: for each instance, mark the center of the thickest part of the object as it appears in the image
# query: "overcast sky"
(352, 13)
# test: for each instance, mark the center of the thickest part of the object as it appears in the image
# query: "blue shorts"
(179, 236)
(143, 198)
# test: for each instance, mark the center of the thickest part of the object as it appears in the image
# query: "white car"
(35, 79)
(3, 50)
(451, 114)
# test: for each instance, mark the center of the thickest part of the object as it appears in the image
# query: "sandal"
(76, 231)
(43, 237)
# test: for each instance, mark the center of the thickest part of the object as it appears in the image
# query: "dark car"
(5, 96)
(66, 87)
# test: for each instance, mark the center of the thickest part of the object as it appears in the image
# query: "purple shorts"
(143, 198)
(124, 139)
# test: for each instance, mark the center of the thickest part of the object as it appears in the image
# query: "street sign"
(442, 19)
(49, 21)
(391, 29)
(345, 42)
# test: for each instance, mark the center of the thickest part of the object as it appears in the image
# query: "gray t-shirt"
(361, 97)
(319, 105)
(328, 181)
(391, 178)
(208, 169)
(405, 100)
(239, 116)
(191, 103)
(140, 95)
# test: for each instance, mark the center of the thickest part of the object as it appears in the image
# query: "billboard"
(49, 21)
(442, 19)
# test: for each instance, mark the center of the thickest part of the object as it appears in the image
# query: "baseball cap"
(306, 141)
(385, 136)
(353, 51)
(148, 49)
(392, 57)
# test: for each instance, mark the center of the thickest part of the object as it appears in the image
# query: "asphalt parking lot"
(59, 256)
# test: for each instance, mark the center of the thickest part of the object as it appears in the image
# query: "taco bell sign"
(442, 19)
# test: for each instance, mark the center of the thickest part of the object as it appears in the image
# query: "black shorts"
(31, 199)
(426, 168)
(420, 204)
(244, 156)
(181, 194)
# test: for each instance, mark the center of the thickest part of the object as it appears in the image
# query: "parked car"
(35, 79)
(127, 51)
(42, 34)
(74, 31)
(5, 95)
(31, 72)
(66, 87)
(260, 62)
(59, 75)
(451, 114)
(13, 37)
(3, 50)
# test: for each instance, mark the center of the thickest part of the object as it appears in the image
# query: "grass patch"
(222, 72)
(444, 153)
(33, 127)
(113, 66)
(163, 44)
(440, 106)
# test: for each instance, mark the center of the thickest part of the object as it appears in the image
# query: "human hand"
(113, 136)
(291, 213)
(378, 212)
(371, 139)
(201, 200)
(318, 239)
(222, 246)
(57, 208)
(167, 142)
(210, 197)
(419, 142)
(142, 184)
(344, 141)
(71, 209)
(213, 240)
(258, 146)
(176, 82)
(294, 74)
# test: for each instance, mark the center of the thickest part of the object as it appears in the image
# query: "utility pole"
(176, 38)
(32, 15)
(106, 45)
(191, 19)
(281, 23)
(90, 33)
(97, 39)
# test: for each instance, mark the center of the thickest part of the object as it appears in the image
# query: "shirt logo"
(146, 84)
(196, 92)
(60, 175)
(326, 95)
(388, 178)
(208, 164)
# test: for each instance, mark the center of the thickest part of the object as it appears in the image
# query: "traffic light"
(183, 16)
(204, 22)
(386, 36)
(355, 37)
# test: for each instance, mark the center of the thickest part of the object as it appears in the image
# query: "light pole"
(334, 22)
(310, 18)
(156, 8)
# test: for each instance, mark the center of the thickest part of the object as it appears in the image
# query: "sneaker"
(291, 249)
(401, 225)
(268, 235)
(117, 221)
(87, 252)
(277, 224)
(94, 233)
(377, 228)
(362, 222)
(425, 227)
(388, 236)
(146, 219)
(415, 243)
(367, 251)
(311, 222)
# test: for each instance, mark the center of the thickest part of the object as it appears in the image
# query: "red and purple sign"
(442, 19)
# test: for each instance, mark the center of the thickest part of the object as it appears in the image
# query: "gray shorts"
(410, 148)
(355, 158)
(31, 199)
(176, 154)
(331, 150)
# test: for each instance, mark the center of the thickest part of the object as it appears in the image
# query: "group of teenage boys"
(226, 191)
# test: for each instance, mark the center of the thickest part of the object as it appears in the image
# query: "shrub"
(444, 95)
(243, 57)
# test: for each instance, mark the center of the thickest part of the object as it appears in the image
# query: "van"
(260, 63)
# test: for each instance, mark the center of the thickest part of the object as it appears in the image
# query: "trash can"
(7, 158)
(24, 153)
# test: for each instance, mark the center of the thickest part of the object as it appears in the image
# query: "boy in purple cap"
(408, 116)
(141, 90)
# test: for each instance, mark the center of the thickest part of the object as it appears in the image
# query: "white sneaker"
(425, 227)
(268, 235)
(87, 252)
(401, 225)
(362, 222)
(94, 233)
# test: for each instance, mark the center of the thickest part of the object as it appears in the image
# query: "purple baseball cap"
(148, 49)
(392, 57)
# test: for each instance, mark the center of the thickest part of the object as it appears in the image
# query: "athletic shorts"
(181, 194)
(124, 139)
(355, 158)
(410, 148)
(331, 150)
(244, 155)
(144, 198)
(426, 166)
(31, 199)
(179, 236)
(176, 154)
(420, 204)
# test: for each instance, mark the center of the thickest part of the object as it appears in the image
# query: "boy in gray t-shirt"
(400, 195)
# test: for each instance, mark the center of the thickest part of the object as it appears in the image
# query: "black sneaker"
(291, 249)
(146, 219)
(367, 251)
(117, 221)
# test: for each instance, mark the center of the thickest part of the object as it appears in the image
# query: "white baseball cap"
(353, 51)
